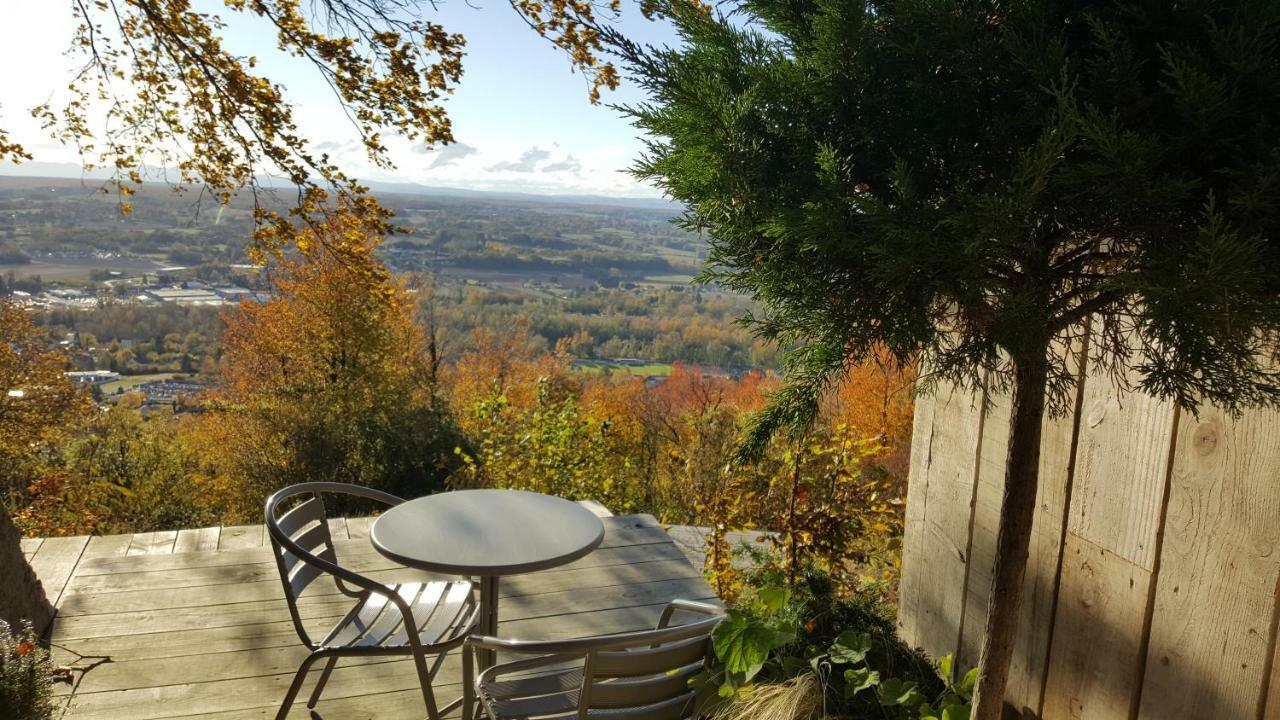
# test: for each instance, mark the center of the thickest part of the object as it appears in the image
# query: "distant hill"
(70, 171)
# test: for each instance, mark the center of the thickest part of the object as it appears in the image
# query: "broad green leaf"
(859, 679)
(970, 679)
(956, 712)
(774, 598)
(743, 644)
(851, 647)
(893, 692)
(944, 667)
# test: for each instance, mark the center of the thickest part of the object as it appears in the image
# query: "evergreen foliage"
(967, 181)
(977, 185)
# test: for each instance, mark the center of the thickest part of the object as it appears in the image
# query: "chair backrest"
(646, 675)
(301, 541)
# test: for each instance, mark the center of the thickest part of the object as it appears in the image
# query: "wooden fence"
(1153, 583)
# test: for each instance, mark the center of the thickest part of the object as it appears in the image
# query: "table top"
(486, 532)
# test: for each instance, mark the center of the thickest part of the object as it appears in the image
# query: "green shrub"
(26, 676)
(785, 642)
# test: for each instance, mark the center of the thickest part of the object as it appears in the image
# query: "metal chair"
(641, 675)
(419, 619)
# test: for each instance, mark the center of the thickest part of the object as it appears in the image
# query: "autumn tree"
(969, 184)
(37, 403)
(159, 89)
(328, 380)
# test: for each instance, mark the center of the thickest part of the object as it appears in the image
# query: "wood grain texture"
(1093, 661)
(107, 546)
(1220, 561)
(30, 546)
(153, 543)
(55, 561)
(338, 528)
(358, 528)
(237, 537)
(197, 540)
(1031, 652)
(1121, 467)
(988, 499)
(1029, 664)
(937, 533)
(911, 586)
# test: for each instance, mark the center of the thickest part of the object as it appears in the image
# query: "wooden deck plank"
(266, 675)
(265, 570)
(105, 546)
(163, 618)
(30, 546)
(168, 662)
(153, 543)
(526, 616)
(77, 602)
(338, 528)
(358, 528)
(55, 561)
(235, 537)
(197, 540)
(619, 532)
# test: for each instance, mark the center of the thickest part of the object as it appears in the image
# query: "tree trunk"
(1022, 474)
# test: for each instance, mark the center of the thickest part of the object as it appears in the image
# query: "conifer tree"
(968, 184)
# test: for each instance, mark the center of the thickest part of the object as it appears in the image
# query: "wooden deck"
(193, 623)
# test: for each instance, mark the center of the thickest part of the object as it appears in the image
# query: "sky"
(521, 117)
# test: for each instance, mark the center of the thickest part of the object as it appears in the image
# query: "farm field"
(76, 269)
(600, 367)
(129, 382)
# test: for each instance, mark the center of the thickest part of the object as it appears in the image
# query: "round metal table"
(486, 534)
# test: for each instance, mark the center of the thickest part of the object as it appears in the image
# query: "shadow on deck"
(193, 623)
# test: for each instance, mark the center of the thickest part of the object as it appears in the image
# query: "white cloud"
(447, 155)
(569, 164)
(527, 163)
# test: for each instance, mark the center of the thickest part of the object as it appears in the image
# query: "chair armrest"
(691, 606)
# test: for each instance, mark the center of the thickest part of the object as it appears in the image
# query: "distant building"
(93, 377)
(235, 293)
(185, 296)
(167, 391)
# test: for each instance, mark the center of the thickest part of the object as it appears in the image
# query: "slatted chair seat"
(417, 619)
(627, 676)
(442, 608)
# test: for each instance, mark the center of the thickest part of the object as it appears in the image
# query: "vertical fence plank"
(1220, 559)
(1040, 585)
(911, 586)
(1121, 469)
(988, 500)
(1097, 634)
(944, 450)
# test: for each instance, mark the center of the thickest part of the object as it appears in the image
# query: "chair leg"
(468, 691)
(295, 686)
(324, 678)
(424, 679)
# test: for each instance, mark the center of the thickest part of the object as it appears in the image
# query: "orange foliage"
(876, 399)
